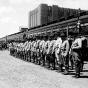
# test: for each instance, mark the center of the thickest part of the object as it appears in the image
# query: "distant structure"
(44, 19)
(23, 29)
(44, 14)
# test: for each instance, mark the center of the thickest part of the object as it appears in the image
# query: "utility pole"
(67, 31)
(78, 22)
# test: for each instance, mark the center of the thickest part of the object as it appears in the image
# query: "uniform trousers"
(77, 61)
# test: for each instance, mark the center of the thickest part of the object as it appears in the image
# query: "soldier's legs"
(82, 59)
(17, 54)
(71, 61)
(66, 64)
(39, 58)
(10, 51)
(26, 56)
(29, 56)
(33, 57)
(77, 64)
(77, 69)
(59, 60)
(82, 64)
(48, 60)
(53, 61)
(22, 55)
(43, 59)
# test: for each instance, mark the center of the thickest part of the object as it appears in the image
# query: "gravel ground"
(15, 73)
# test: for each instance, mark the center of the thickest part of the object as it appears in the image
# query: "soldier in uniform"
(22, 51)
(20, 45)
(33, 48)
(50, 53)
(11, 48)
(76, 48)
(70, 40)
(47, 42)
(41, 47)
(57, 48)
(26, 50)
(29, 50)
(83, 51)
(52, 44)
(65, 55)
(47, 47)
(43, 50)
(60, 51)
(37, 50)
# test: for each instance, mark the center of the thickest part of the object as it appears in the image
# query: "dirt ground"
(15, 73)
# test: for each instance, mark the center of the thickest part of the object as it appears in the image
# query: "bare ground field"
(15, 73)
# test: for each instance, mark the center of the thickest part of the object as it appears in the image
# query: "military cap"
(79, 35)
(70, 37)
(45, 36)
(62, 35)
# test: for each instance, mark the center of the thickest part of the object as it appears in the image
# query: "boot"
(60, 68)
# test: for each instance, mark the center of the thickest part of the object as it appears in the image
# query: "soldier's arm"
(67, 47)
(77, 44)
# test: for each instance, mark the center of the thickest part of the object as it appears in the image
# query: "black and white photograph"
(43, 43)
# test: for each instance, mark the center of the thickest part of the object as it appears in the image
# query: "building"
(23, 28)
(44, 14)
(38, 16)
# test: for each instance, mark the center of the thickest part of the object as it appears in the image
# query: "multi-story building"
(44, 14)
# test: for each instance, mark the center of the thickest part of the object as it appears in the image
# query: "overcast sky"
(14, 13)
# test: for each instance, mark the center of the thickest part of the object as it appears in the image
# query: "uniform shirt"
(58, 42)
(29, 45)
(41, 45)
(54, 46)
(51, 45)
(34, 46)
(77, 43)
(84, 42)
(37, 44)
(26, 47)
(46, 46)
(65, 46)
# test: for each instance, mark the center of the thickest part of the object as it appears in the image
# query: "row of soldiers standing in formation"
(52, 50)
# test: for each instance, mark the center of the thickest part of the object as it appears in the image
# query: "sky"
(14, 13)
